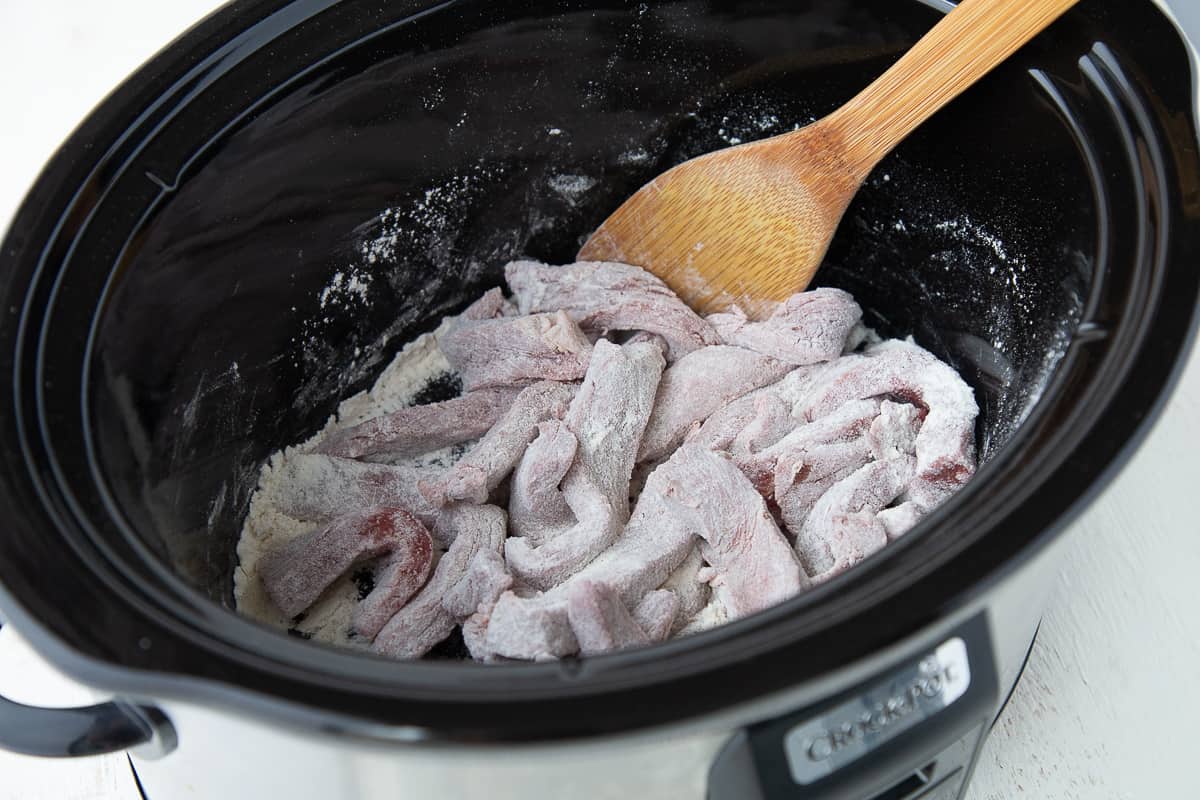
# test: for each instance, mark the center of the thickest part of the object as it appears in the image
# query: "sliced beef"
(425, 620)
(606, 419)
(804, 477)
(742, 543)
(603, 296)
(610, 413)
(490, 305)
(697, 385)
(807, 328)
(783, 463)
(766, 421)
(842, 528)
(510, 351)
(599, 620)
(421, 429)
(485, 580)
(727, 423)
(945, 446)
(536, 507)
(529, 628)
(695, 494)
(493, 457)
(318, 487)
(296, 574)
(656, 613)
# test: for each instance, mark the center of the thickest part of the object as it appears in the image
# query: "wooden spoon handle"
(961, 48)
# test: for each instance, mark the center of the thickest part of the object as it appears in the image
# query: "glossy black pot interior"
(181, 299)
(230, 332)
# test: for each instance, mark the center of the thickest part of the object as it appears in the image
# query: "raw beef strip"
(490, 305)
(605, 296)
(693, 594)
(536, 506)
(804, 329)
(842, 529)
(420, 429)
(530, 628)
(474, 633)
(647, 336)
(476, 474)
(945, 446)
(319, 487)
(296, 573)
(853, 536)
(509, 351)
(474, 597)
(563, 553)
(654, 543)
(656, 614)
(771, 422)
(607, 418)
(721, 428)
(695, 493)
(900, 519)
(775, 468)
(610, 414)
(485, 580)
(697, 385)
(599, 620)
(811, 459)
(849, 423)
(749, 555)
(803, 478)
(425, 621)
(644, 555)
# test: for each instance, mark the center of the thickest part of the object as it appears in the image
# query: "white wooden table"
(1104, 710)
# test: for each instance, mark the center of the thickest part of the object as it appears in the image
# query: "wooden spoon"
(752, 222)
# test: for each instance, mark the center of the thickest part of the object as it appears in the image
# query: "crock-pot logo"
(882, 714)
(885, 709)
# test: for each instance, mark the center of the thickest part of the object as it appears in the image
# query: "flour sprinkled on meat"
(807, 328)
(536, 506)
(426, 620)
(510, 351)
(697, 385)
(606, 420)
(490, 461)
(318, 487)
(421, 429)
(663, 473)
(296, 573)
(602, 296)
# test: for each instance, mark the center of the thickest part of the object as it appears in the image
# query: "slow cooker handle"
(110, 727)
(61, 732)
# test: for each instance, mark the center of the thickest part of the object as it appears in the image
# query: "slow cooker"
(167, 325)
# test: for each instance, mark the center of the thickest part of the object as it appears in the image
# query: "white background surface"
(1107, 706)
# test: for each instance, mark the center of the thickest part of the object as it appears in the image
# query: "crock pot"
(167, 324)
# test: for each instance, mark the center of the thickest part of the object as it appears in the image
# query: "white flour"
(328, 620)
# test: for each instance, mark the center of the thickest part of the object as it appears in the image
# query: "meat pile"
(638, 472)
